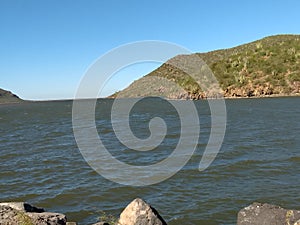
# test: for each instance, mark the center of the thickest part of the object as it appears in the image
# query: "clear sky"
(47, 46)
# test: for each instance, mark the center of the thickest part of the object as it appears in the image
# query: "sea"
(42, 163)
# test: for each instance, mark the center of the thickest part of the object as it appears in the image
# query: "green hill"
(267, 67)
(8, 97)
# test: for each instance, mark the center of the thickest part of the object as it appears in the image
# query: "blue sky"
(47, 46)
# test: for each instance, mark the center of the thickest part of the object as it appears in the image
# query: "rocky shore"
(138, 212)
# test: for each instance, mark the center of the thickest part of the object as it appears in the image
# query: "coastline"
(224, 97)
(265, 96)
(173, 99)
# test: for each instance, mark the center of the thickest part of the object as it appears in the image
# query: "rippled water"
(259, 161)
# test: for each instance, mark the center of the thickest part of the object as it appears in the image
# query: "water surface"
(259, 161)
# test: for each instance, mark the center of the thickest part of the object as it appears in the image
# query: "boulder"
(47, 218)
(266, 214)
(138, 212)
(8, 215)
(23, 213)
(22, 206)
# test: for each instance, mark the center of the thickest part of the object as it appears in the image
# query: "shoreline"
(139, 212)
(266, 96)
(109, 98)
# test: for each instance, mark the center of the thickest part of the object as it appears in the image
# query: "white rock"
(139, 212)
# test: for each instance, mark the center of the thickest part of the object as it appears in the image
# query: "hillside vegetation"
(267, 67)
(8, 97)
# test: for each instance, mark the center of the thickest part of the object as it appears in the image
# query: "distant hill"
(267, 67)
(8, 97)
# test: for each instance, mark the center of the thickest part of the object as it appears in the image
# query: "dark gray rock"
(22, 206)
(266, 214)
(22, 213)
(138, 212)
